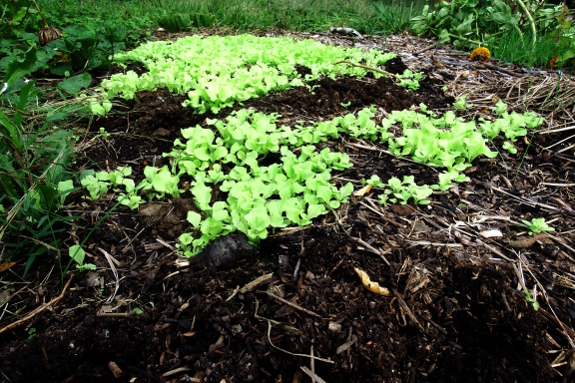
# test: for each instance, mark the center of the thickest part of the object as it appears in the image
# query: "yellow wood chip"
(374, 287)
(115, 369)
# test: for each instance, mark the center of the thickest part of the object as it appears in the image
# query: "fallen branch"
(39, 309)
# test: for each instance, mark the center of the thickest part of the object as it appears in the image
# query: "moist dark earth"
(456, 313)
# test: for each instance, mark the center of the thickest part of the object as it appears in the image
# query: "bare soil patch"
(457, 315)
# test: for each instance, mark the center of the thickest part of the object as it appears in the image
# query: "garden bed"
(457, 312)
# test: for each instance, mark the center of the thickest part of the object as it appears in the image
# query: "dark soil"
(456, 314)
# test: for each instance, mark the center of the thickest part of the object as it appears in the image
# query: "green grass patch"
(514, 47)
(367, 16)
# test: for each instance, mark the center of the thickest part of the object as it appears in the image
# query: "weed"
(533, 302)
(509, 33)
(537, 225)
(77, 254)
(33, 158)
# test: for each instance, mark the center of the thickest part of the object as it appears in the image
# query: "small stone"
(372, 305)
(283, 260)
(334, 326)
(237, 329)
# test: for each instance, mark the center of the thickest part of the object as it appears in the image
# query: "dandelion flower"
(480, 54)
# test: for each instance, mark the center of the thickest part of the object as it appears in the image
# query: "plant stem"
(40, 12)
(464, 39)
(522, 5)
(41, 15)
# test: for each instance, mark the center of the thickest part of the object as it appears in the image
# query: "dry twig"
(39, 309)
(368, 68)
(293, 305)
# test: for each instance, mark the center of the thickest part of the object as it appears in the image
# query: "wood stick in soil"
(552, 318)
(39, 309)
(408, 311)
(312, 375)
(293, 305)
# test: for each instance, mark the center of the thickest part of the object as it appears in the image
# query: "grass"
(379, 17)
(367, 16)
(514, 48)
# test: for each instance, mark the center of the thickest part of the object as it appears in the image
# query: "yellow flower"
(481, 54)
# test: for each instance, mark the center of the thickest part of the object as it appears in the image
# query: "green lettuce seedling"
(96, 183)
(217, 72)
(296, 188)
(461, 104)
(410, 80)
(533, 302)
(161, 180)
(132, 201)
(403, 191)
(445, 179)
(77, 253)
(500, 108)
(537, 225)
(509, 147)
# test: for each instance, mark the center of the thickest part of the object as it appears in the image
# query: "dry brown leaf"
(6, 266)
(363, 191)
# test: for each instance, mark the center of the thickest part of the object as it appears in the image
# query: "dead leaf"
(151, 209)
(115, 369)
(4, 295)
(401, 210)
(6, 266)
(363, 191)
